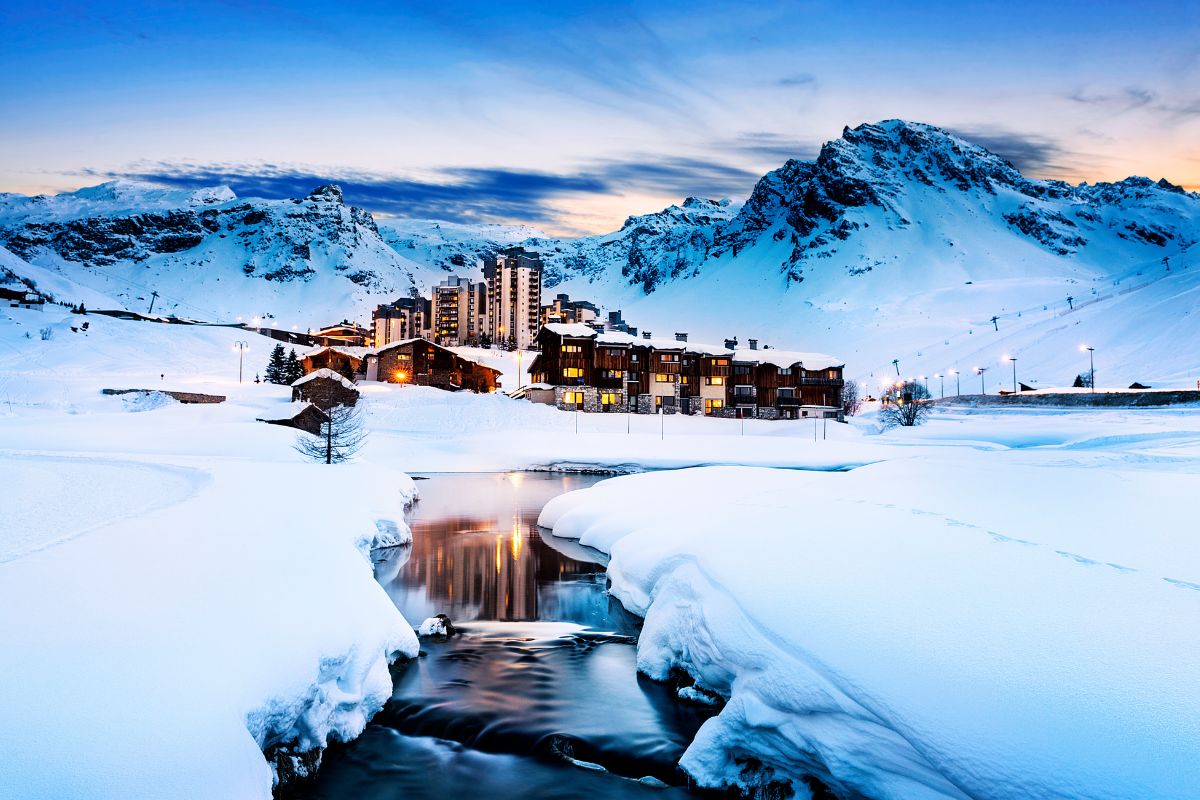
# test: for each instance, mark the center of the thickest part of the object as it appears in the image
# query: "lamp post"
(943, 379)
(519, 379)
(1013, 359)
(241, 347)
(982, 387)
(957, 383)
(925, 381)
(1091, 351)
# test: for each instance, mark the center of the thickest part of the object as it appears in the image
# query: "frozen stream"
(538, 696)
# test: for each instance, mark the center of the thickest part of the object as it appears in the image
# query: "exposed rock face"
(874, 181)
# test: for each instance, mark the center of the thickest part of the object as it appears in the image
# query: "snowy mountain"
(899, 242)
(209, 254)
(902, 242)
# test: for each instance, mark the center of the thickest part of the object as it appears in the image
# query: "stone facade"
(592, 399)
(325, 393)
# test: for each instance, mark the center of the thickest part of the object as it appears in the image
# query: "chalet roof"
(779, 358)
(787, 358)
(327, 374)
(451, 351)
(354, 352)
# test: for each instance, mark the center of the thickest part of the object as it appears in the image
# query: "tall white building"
(514, 297)
(459, 311)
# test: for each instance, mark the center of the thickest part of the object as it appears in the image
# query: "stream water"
(537, 696)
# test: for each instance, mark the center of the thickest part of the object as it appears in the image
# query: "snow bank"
(967, 627)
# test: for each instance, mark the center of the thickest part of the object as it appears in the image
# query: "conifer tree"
(293, 367)
(276, 371)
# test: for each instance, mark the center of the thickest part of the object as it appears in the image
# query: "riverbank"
(998, 616)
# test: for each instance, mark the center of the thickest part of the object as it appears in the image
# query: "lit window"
(608, 399)
(573, 398)
(717, 381)
(711, 405)
(572, 348)
(661, 378)
(572, 372)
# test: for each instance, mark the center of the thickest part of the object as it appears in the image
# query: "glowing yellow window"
(717, 381)
(572, 372)
(608, 399)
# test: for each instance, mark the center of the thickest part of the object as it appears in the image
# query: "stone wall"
(591, 399)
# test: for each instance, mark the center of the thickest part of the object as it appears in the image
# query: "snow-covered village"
(600, 401)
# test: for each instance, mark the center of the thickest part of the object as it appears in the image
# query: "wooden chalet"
(347, 361)
(345, 334)
(422, 363)
(613, 371)
(325, 389)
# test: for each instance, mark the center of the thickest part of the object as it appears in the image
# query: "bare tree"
(905, 405)
(851, 402)
(340, 438)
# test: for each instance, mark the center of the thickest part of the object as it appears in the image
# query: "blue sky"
(570, 116)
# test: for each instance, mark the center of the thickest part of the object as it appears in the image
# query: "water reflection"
(477, 554)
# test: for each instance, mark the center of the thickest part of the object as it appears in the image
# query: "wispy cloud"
(773, 147)
(459, 194)
(1136, 98)
(803, 79)
(1030, 153)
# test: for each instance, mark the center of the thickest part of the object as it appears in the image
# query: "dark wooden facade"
(325, 389)
(348, 361)
(690, 379)
(423, 363)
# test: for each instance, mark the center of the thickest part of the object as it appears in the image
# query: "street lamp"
(1013, 359)
(982, 387)
(943, 379)
(957, 383)
(1091, 364)
(241, 347)
(925, 381)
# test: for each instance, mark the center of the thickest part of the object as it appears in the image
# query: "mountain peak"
(330, 192)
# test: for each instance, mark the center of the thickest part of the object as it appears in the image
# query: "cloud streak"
(459, 194)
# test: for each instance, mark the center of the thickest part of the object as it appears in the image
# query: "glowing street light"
(241, 348)
(1091, 364)
(401, 376)
(1013, 359)
(982, 387)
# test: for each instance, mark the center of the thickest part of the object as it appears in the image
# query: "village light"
(982, 387)
(241, 348)
(1091, 364)
(957, 383)
(1013, 359)
(943, 379)
(401, 376)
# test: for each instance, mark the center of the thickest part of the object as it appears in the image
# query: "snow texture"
(1013, 613)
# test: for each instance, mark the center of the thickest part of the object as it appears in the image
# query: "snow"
(328, 375)
(433, 626)
(1001, 603)
(1007, 607)
(178, 588)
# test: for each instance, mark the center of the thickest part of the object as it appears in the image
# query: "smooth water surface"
(538, 695)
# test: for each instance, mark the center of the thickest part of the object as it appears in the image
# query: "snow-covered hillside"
(899, 242)
(302, 262)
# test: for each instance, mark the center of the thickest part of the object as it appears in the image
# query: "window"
(720, 362)
(658, 401)
(786, 391)
(785, 371)
(572, 348)
(683, 379)
(613, 373)
(712, 405)
(717, 381)
(608, 399)
(661, 378)
(633, 357)
(668, 358)
(741, 370)
(573, 398)
(572, 372)
(614, 353)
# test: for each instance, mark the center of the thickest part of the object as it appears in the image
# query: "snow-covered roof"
(780, 358)
(397, 343)
(354, 352)
(787, 358)
(328, 374)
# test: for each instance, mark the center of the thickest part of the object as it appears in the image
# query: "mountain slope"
(901, 241)
(209, 254)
